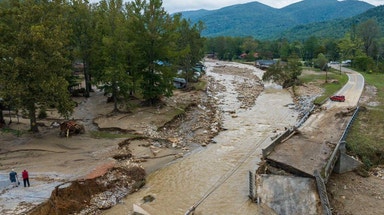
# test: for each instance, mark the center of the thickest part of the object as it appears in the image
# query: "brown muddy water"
(214, 179)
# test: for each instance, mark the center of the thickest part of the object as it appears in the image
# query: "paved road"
(320, 129)
(352, 90)
(310, 150)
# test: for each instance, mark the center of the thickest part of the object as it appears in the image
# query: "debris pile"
(90, 196)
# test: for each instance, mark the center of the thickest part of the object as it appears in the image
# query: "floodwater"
(214, 179)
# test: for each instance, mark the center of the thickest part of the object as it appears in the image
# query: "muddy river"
(214, 179)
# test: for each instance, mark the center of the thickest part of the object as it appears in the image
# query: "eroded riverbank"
(214, 179)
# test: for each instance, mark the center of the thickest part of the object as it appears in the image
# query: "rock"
(148, 198)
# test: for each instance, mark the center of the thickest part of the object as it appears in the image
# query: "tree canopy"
(34, 57)
(124, 48)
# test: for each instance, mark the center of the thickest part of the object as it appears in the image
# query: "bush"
(363, 63)
(42, 114)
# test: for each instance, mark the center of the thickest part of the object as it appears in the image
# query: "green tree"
(369, 33)
(310, 47)
(284, 75)
(363, 62)
(297, 48)
(322, 62)
(284, 49)
(332, 50)
(155, 36)
(113, 76)
(83, 26)
(348, 48)
(189, 46)
(225, 48)
(34, 55)
(249, 45)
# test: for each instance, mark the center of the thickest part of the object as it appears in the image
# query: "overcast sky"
(183, 5)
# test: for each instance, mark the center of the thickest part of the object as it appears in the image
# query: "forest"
(363, 45)
(126, 49)
(137, 49)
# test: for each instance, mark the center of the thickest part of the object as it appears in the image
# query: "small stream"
(215, 178)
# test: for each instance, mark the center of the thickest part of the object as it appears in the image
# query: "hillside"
(334, 28)
(262, 21)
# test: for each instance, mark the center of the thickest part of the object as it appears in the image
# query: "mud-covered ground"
(148, 137)
(159, 135)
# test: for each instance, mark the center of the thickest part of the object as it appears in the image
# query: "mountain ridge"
(262, 21)
(334, 28)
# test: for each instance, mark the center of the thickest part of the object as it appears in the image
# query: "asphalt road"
(352, 90)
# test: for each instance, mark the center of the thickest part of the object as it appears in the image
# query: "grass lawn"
(366, 137)
(335, 81)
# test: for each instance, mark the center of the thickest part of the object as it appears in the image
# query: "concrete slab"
(288, 194)
(301, 155)
(313, 144)
(346, 163)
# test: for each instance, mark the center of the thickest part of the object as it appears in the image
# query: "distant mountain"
(334, 28)
(263, 22)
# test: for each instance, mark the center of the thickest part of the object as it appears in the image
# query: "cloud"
(177, 5)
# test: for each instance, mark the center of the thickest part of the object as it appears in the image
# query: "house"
(244, 55)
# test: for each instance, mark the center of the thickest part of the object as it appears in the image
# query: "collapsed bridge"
(297, 164)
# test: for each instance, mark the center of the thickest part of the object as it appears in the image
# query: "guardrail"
(285, 134)
(276, 142)
(320, 181)
(305, 117)
(336, 153)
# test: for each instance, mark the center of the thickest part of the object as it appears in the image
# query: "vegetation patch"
(366, 136)
(331, 82)
(200, 85)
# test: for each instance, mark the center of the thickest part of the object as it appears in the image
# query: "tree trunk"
(32, 119)
(2, 121)
(115, 109)
(87, 79)
(114, 97)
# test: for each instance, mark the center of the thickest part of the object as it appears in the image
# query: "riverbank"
(53, 160)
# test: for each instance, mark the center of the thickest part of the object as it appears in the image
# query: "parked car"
(338, 98)
(179, 83)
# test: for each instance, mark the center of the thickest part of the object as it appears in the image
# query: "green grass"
(200, 85)
(366, 137)
(335, 81)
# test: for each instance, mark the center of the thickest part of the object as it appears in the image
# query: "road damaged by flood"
(288, 179)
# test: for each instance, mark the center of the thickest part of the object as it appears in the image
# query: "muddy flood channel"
(214, 179)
